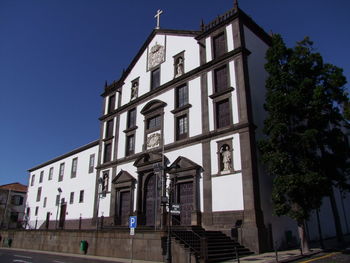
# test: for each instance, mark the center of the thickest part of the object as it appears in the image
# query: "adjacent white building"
(62, 190)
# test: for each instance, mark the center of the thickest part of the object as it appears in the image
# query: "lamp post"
(99, 194)
(58, 204)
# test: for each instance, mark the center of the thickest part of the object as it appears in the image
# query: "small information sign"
(132, 231)
(175, 209)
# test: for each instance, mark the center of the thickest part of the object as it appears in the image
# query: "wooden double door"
(184, 198)
(152, 200)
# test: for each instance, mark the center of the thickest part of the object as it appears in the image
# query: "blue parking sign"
(132, 221)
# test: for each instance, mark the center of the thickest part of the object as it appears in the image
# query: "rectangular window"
(36, 210)
(74, 167)
(38, 194)
(91, 163)
(14, 218)
(45, 200)
(41, 178)
(131, 123)
(109, 128)
(219, 45)
(33, 179)
(28, 211)
(57, 200)
(81, 196)
(153, 122)
(61, 173)
(130, 144)
(111, 103)
(17, 200)
(71, 198)
(155, 79)
(181, 96)
(223, 114)
(181, 127)
(107, 152)
(220, 78)
(51, 173)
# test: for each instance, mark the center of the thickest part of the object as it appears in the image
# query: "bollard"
(237, 256)
(276, 255)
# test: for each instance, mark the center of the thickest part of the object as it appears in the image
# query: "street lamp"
(58, 204)
(99, 194)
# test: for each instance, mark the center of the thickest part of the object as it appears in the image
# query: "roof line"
(80, 149)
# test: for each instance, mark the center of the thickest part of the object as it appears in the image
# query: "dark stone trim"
(108, 139)
(231, 173)
(223, 92)
(130, 129)
(248, 21)
(185, 107)
(235, 128)
(175, 82)
(207, 185)
(83, 148)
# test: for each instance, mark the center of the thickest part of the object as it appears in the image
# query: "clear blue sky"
(55, 56)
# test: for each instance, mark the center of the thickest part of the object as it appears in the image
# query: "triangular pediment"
(150, 46)
(122, 177)
(181, 164)
(148, 158)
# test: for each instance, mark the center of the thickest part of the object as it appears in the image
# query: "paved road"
(328, 257)
(15, 256)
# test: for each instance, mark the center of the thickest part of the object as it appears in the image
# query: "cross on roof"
(159, 12)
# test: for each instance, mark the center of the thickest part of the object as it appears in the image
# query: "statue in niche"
(134, 90)
(226, 158)
(179, 67)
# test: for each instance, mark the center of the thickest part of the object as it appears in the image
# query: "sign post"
(132, 226)
(175, 209)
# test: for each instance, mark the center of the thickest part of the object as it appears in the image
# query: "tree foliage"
(305, 149)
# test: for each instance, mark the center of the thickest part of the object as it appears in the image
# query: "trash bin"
(83, 246)
(8, 242)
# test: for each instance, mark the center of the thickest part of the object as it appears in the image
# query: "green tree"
(304, 149)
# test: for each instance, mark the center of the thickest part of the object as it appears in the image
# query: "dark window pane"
(91, 163)
(223, 114)
(71, 198)
(107, 152)
(181, 129)
(220, 77)
(51, 173)
(182, 96)
(60, 175)
(41, 177)
(38, 195)
(155, 78)
(131, 118)
(219, 45)
(153, 122)
(33, 179)
(109, 129)
(111, 103)
(81, 196)
(130, 144)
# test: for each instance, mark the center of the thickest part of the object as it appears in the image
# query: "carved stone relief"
(156, 56)
(153, 139)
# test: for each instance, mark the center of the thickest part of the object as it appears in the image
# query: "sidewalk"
(292, 255)
(282, 256)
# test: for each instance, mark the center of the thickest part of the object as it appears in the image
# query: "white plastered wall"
(83, 181)
(227, 190)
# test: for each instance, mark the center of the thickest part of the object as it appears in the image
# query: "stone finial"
(235, 4)
(106, 84)
(202, 25)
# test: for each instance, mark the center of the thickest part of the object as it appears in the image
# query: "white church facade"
(181, 124)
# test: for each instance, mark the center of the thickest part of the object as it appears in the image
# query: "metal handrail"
(192, 236)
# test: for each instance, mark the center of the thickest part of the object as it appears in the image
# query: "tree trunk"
(304, 243)
(336, 217)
